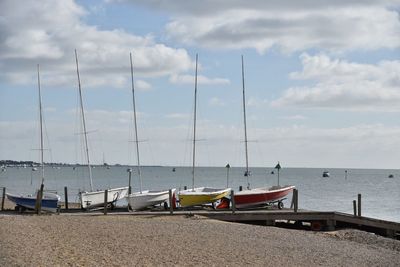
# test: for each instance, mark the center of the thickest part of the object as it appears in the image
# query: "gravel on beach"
(82, 240)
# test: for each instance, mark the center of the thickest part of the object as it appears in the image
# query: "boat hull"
(49, 201)
(96, 198)
(201, 196)
(139, 201)
(259, 196)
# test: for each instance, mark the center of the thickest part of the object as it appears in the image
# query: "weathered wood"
(39, 197)
(296, 200)
(355, 207)
(105, 201)
(66, 197)
(359, 205)
(171, 206)
(233, 201)
(129, 185)
(3, 197)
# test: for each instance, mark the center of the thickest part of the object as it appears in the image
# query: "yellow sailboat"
(200, 195)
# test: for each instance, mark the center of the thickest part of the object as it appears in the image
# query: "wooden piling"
(171, 204)
(105, 201)
(359, 205)
(3, 197)
(185, 187)
(233, 201)
(355, 207)
(39, 197)
(66, 197)
(296, 200)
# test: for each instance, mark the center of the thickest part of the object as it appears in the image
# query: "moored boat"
(262, 195)
(326, 174)
(49, 201)
(93, 198)
(200, 195)
(143, 198)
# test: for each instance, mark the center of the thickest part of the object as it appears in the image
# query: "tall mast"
(247, 173)
(41, 124)
(136, 131)
(83, 122)
(194, 124)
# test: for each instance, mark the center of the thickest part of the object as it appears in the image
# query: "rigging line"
(41, 124)
(135, 122)
(194, 125)
(83, 121)
(245, 127)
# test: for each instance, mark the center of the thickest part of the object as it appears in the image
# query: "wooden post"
(171, 206)
(240, 188)
(296, 200)
(105, 201)
(129, 186)
(3, 197)
(359, 205)
(233, 201)
(38, 204)
(185, 187)
(355, 207)
(66, 197)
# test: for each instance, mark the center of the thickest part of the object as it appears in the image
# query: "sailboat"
(48, 201)
(143, 199)
(91, 199)
(263, 195)
(200, 195)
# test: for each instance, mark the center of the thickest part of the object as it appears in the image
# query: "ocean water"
(380, 194)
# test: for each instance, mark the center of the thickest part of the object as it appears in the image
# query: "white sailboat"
(92, 198)
(143, 199)
(199, 195)
(45, 201)
(257, 196)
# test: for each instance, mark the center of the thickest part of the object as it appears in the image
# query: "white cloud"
(47, 32)
(177, 116)
(189, 79)
(143, 85)
(288, 25)
(345, 85)
(215, 101)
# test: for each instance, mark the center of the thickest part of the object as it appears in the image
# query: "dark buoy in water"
(391, 176)
(173, 169)
(272, 172)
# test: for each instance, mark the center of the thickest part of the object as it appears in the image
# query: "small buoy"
(391, 176)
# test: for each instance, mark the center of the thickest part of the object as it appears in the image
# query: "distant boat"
(263, 195)
(326, 174)
(391, 176)
(173, 170)
(48, 201)
(199, 195)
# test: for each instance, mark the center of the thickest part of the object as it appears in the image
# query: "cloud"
(344, 85)
(177, 116)
(47, 32)
(215, 101)
(189, 79)
(293, 25)
(294, 117)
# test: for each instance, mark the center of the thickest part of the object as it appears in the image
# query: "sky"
(322, 81)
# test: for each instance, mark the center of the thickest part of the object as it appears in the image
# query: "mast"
(247, 173)
(135, 122)
(41, 124)
(194, 124)
(84, 123)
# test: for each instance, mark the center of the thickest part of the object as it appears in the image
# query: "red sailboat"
(263, 195)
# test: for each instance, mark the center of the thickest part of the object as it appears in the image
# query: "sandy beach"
(84, 240)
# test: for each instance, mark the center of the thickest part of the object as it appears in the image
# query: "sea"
(380, 194)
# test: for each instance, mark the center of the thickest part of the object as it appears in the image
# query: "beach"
(132, 240)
